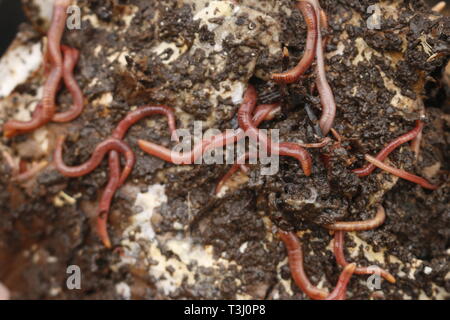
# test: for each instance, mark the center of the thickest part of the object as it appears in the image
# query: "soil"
(383, 80)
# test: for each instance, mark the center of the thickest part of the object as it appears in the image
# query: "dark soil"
(33, 231)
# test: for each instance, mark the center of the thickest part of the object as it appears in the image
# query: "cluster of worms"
(59, 65)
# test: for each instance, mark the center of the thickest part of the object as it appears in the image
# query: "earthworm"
(168, 155)
(365, 225)
(338, 249)
(295, 258)
(317, 145)
(236, 167)
(114, 162)
(402, 174)
(415, 143)
(245, 117)
(308, 57)
(96, 158)
(54, 35)
(54, 56)
(55, 59)
(383, 154)
(284, 149)
(106, 198)
(296, 151)
(137, 115)
(326, 94)
(263, 112)
(336, 135)
(71, 56)
(340, 291)
(142, 112)
(14, 127)
(324, 23)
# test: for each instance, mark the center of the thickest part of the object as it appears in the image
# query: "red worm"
(284, 149)
(338, 249)
(324, 25)
(295, 257)
(340, 291)
(245, 117)
(383, 154)
(365, 225)
(142, 112)
(415, 143)
(263, 112)
(96, 158)
(294, 150)
(106, 198)
(171, 156)
(236, 167)
(53, 57)
(402, 174)
(326, 94)
(55, 34)
(114, 162)
(137, 115)
(71, 56)
(310, 18)
(14, 127)
(318, 145)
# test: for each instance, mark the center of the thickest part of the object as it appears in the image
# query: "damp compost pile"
(173, 237)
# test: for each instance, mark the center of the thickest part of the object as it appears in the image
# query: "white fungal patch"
(41, 137)
(142, 245)
(104, 100)
(146, 203)
(17, 65)
(237, 94)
